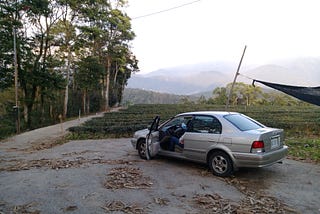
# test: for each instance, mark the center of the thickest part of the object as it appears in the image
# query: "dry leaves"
(257, 201)
(215, 204)
(119, 206)
(254, 202)
(127, 177)
(25, 209)
(58, 163)
(161, 201)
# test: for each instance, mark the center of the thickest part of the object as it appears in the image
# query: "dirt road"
(106, 176)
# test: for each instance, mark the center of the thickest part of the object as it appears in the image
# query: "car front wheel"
(220, 164)
(142, 149)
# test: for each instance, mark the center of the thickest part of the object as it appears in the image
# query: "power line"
(166, 10)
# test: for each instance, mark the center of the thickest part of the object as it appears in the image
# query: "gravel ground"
(107, 176)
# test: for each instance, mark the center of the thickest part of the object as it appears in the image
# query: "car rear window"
(242, 123)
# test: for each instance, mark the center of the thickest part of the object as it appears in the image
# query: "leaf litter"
(254, 202)
(257, 201)
(127, 177)
(28, 208)
(119, 206)
(19, 165)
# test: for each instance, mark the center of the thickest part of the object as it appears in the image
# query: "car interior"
(197, 124)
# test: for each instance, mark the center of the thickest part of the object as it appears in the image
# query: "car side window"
(205, 124)
(178, 121)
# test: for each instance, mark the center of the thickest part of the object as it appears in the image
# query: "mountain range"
(204, 77)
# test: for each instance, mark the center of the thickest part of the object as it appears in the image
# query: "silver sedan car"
(225, 141)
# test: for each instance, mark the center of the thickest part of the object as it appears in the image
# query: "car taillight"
(257, 147)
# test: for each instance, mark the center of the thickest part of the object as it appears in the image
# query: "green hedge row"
(295, 120)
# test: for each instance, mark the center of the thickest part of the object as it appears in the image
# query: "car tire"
(221, 164)
(142, 149)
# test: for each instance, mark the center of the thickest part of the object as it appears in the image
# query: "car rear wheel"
(220, 164)
(142, 149)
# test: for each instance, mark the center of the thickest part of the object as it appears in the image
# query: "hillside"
(185, 80)
(301, 71)
(139, 96)
(192, 79)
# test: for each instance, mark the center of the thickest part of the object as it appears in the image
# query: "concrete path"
(45, 134)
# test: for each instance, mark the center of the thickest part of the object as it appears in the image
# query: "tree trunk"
(51, 111)
(84, 98)
(28, 105)
(66, 93)
(42, 116)
(106, 107)
(116, 74)
(88, 105)
(25, 112)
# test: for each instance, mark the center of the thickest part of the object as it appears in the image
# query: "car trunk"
(273, 138)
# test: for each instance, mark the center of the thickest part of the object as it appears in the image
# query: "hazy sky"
(211, 30)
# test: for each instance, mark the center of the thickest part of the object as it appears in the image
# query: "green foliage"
(89, 73)
(6, 45)
(67, 46)
(296, 121)
(304, 149)
(247, 95)
(7, 114)
(139, 96)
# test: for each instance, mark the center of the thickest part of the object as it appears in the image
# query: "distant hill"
(184, 80)
(300, 72)
(197, 78)
(139, 96)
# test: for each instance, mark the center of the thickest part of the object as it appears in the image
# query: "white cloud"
(211, 30)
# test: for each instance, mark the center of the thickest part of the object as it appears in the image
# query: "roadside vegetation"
(72, 57)
(301, 123)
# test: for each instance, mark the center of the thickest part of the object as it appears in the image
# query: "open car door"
(152, 139)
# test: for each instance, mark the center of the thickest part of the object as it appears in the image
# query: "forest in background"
(68, 57)
(242, 95)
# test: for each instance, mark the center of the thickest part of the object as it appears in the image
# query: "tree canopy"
(72, 55)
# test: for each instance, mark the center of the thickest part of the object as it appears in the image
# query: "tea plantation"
(297, 121)
(301, 123)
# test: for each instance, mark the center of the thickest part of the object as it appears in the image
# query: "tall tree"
(220, 95)
(36, 71)
(108, 32)
(87, 77)
(52, 36)
(243, 94)
(7, 24)
(64, 33)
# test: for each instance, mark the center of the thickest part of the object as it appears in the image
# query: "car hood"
(141, 133)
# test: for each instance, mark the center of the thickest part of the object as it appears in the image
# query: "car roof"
(211, 113)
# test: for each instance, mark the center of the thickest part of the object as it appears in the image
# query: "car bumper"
(260, 159)
(134, 142)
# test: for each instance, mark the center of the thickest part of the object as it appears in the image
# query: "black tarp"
(307, 94)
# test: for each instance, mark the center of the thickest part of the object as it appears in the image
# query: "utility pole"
(235, 78)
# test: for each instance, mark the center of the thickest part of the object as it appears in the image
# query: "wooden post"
(235, 79)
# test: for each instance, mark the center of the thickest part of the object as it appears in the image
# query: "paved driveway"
(103, 176)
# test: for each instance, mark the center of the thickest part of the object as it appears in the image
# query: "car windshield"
(242, 123)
